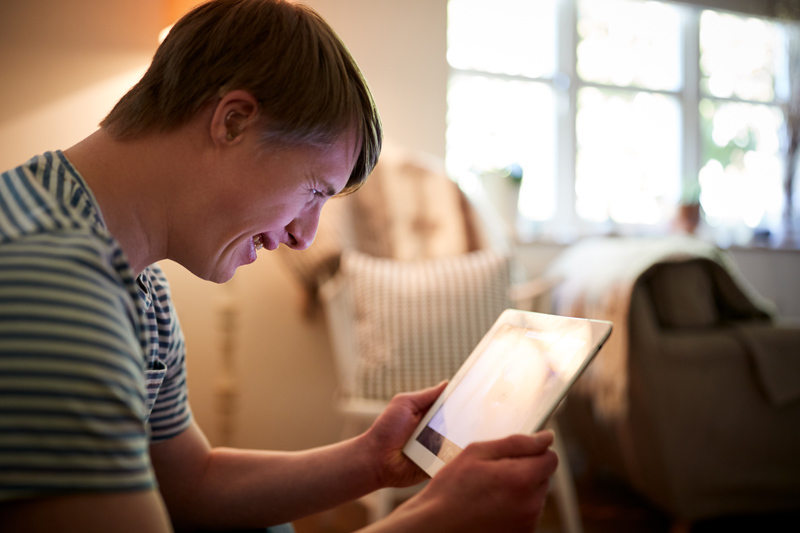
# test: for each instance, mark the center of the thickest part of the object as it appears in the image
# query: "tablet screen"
(510, 387)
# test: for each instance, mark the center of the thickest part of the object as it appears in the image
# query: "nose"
(302, 230)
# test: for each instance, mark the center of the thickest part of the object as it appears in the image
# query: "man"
(250, 117)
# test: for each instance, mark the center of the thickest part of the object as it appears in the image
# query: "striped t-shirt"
(92, 366)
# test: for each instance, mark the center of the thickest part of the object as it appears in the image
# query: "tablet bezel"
(600, 331)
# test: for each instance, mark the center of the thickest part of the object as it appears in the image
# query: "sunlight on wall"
(60, 124)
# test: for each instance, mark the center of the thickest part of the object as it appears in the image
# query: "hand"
(389, 434)
(498, 485)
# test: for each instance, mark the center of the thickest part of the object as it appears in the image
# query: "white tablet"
(511, 383)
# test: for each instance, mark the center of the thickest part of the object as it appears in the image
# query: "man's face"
(264, 195)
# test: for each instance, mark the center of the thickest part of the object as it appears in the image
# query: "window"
(616, 111)
(741, 123)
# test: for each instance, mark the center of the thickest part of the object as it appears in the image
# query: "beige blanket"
(776, 356)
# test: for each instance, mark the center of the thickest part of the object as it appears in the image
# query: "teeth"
(258, 241)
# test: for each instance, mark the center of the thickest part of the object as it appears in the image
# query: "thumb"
(518, 445)
(421, 400)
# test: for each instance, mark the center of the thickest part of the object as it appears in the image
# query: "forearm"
(257, 488)
(420, 515)
(247, 488)
(228, 488)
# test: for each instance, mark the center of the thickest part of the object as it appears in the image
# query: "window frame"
(566, 225)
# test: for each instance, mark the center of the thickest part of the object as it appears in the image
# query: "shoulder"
(73, 256)
(51, 229)
(45, 194)
(71, 374)
(62, 293)
(68, 292)
(71, 362)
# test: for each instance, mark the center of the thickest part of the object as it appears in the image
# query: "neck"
(131, 181)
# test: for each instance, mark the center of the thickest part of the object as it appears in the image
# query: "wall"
(400, 47)
(774, 275)
(64, 64)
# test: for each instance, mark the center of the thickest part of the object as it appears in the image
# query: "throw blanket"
(774, 349)
(597, 277)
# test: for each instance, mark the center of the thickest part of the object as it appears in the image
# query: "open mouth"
(258, 241)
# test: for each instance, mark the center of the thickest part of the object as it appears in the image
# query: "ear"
(234, 113)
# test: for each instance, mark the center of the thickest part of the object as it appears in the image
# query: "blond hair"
(306, 82)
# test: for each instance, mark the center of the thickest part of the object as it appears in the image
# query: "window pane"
(628, 161)
(629, 43)
(496, 123)
(738, 56)
(741, 176)
(515, 37)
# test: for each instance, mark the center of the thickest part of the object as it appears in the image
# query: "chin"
(223, 271)
(222, 276)
(217, 273)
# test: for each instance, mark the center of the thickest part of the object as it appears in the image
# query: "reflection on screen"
(505, 388)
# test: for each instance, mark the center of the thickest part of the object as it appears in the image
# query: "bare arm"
(123, 512)
(224, 487)
(230, 488)
(492, 486)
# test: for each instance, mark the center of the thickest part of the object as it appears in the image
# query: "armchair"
(697, 404)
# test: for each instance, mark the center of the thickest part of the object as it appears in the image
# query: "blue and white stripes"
(84, 347)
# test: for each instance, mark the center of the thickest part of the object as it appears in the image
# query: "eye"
(317, 193)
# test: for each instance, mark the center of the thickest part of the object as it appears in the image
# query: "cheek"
(306, 218)
(280, 216)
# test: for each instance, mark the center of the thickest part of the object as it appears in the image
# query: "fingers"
(515, 446)
(420, 401)
(525, 461)
(528, 473)
(507, 492)
(546, 465)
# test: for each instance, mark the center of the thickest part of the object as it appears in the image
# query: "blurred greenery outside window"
(616, 112)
